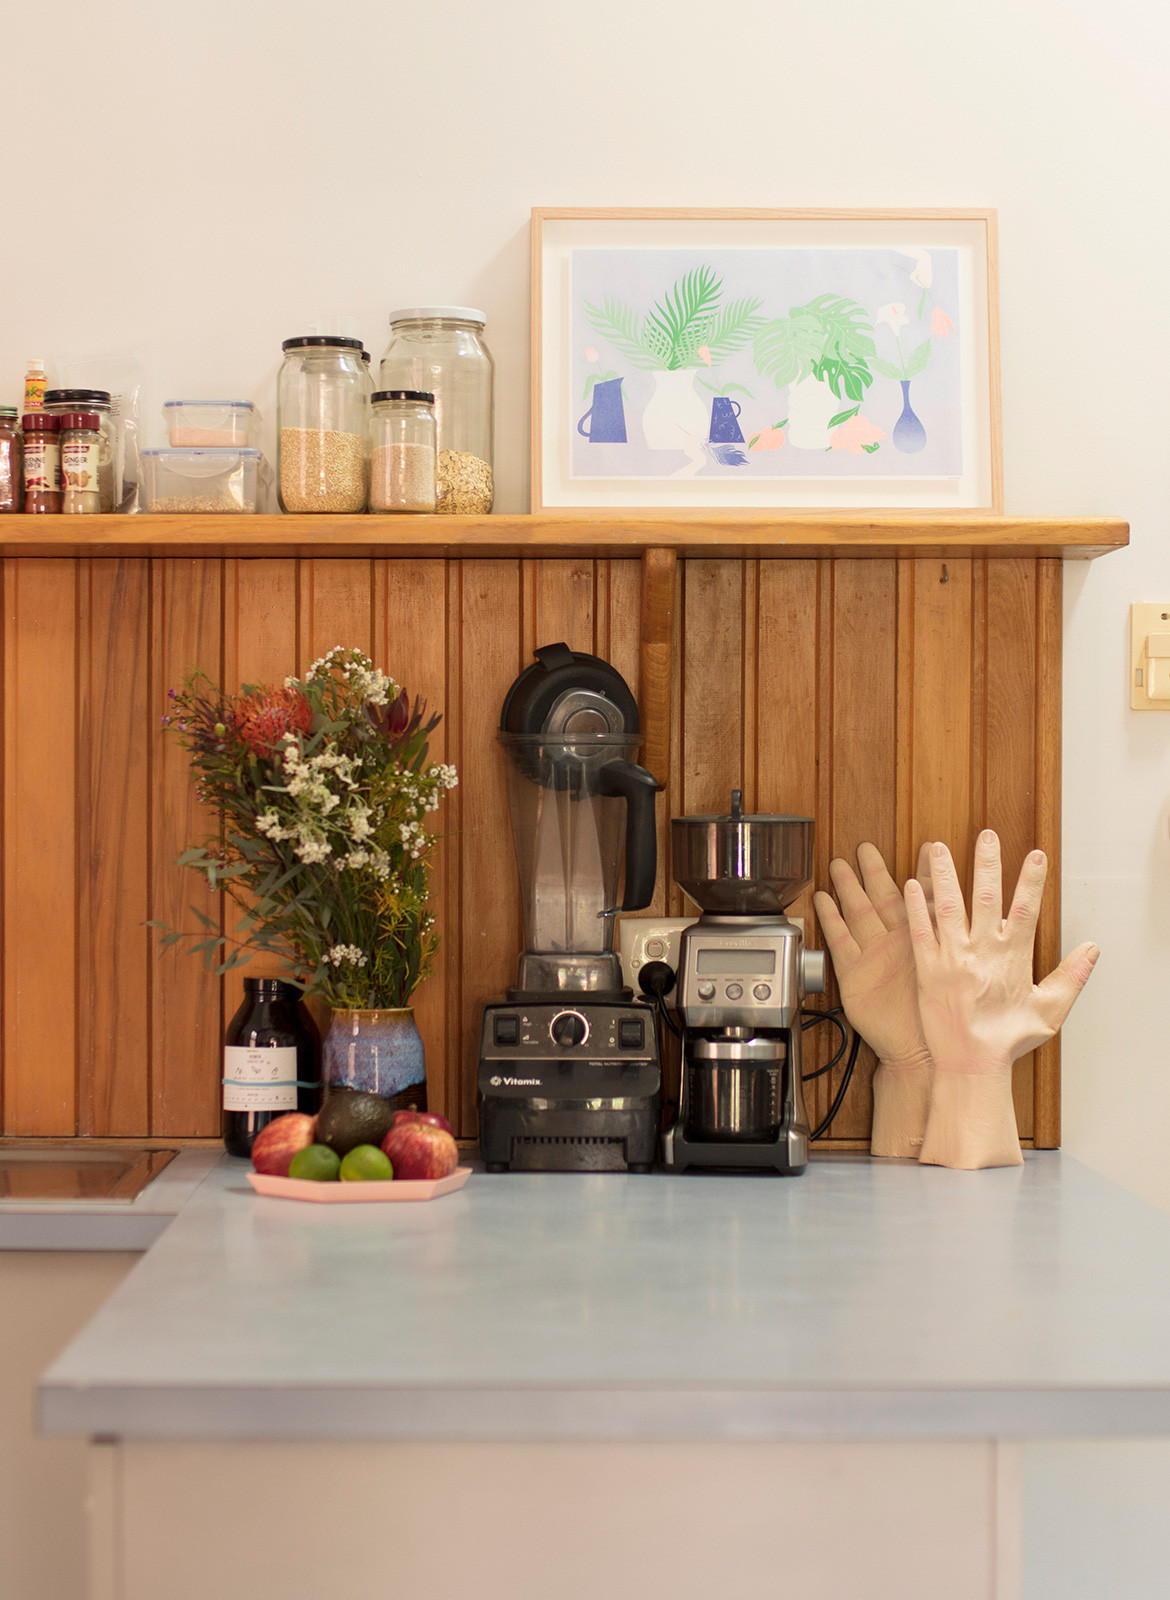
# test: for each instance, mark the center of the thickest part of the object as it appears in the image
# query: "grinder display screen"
(736, 963)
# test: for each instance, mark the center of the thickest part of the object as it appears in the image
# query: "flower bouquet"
(320, 789)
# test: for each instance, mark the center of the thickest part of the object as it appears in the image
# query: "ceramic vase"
(811, 407)
(606, 416)
(380, 1052)
(674, 414)
(909, 435)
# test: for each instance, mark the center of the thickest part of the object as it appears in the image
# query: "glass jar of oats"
(402, 450)
(441, 349)
(323, 425)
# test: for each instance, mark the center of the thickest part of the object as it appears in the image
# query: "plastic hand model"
(979, 1007)
(869, 941)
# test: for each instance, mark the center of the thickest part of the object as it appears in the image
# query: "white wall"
(212, 176)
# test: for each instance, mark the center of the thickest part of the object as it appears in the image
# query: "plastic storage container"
(441, 349)
(60, 401)
(402, 455)
(216, 479)
(11, 460)
(212, 424)
(323, 425)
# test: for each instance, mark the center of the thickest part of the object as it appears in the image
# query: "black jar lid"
(321, 341)
(77, 397)
(271, 989)
(403, 394)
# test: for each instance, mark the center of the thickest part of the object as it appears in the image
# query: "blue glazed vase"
(725, 421)
(909, 434)
(380, 1052)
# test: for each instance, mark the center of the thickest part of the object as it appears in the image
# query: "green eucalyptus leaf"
(885, 368)
(843, 416)
(918, 360)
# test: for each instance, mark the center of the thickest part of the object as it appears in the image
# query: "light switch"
(1149, 656)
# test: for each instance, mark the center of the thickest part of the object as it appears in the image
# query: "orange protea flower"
(264, 716)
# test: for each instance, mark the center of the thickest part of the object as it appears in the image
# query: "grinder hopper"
(738, 865)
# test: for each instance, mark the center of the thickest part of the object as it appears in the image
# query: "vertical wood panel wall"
(894, 700)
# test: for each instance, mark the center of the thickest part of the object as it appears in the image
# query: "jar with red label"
(81, 442)
(42, 462)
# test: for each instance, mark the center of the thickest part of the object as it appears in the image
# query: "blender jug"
(579, 805)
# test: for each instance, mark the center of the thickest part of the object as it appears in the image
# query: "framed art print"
(765, 360)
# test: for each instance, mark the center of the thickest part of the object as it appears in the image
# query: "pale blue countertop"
(860, 1300)
(107, 1224)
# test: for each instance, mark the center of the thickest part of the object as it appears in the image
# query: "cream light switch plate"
(1149, 656)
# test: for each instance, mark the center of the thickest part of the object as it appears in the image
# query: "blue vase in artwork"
(724, 421)
(909, 434)
(608, 413)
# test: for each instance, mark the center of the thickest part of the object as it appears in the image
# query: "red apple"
(277, 1143)
(431, 1118)
(419, 1150)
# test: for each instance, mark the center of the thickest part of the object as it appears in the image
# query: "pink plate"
(348, 1193)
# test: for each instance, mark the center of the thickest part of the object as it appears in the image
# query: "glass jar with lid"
(323, 424)
(11, 459)
(58, 402)
(402, 457)
(441, 350)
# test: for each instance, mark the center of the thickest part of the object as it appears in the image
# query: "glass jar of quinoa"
(441, 349)
(323, 425)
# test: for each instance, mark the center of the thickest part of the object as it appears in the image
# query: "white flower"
(923, 274)
(340, 953)
(894, 314)
(311, 851)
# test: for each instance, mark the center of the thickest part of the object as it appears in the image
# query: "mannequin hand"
(869, 941)
(980, 1008)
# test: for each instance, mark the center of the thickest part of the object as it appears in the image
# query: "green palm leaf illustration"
(618, 323)
(734, 327)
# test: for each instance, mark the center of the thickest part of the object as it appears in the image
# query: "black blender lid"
(557, 672)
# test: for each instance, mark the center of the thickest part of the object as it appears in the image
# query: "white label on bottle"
(259, 1078)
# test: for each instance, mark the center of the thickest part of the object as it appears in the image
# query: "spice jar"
(60, 401)
(441, 349)
(11, 459)
(42, 462)
(402, 458)
(323, 419)
(80, 452)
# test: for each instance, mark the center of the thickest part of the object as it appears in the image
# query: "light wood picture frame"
(765, 361)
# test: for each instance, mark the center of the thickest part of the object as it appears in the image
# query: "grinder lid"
(737, 814)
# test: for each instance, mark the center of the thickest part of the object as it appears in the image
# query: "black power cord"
(834, 1017)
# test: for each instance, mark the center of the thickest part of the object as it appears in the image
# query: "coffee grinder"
(569, 1077)
(742, 973)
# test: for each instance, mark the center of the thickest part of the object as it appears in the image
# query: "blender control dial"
(568, 1028)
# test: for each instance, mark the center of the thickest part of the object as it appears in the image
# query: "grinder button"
(735, 991)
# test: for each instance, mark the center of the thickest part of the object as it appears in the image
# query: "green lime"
(316, 1162)
(365, 1163)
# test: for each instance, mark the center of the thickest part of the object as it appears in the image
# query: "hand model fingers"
(922, 873)
(921, 929)
(987, 887)
(863, 921)
(1025, 907)
(950, 914)
(880, 887)
(842, 945)
(1060, 988)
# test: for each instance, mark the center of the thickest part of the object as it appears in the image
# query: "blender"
(742, 972)
(569, 1077)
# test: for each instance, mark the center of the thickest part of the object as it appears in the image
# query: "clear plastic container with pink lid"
(204, 424)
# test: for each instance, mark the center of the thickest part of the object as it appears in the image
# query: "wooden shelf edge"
(692, 534)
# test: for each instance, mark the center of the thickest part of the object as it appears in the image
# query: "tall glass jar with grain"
(323, 425)
(441, 349)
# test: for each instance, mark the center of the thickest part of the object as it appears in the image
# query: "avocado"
(351, 1117)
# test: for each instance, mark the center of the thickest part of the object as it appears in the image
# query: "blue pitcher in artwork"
(608, 413)
(724, 421)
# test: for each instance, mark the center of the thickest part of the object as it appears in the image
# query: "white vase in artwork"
(811, 406)
(675, 416)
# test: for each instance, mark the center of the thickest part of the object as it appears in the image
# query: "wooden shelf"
(567, 534)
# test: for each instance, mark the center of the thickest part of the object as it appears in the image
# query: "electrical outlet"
(643, 939)
(1149, 657)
